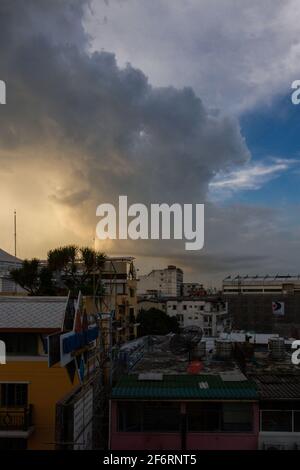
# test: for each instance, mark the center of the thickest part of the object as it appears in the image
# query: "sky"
(185, 101)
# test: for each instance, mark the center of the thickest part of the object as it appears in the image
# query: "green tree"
(68, 268)
(33, 278)
(76, 268)
(156, 322)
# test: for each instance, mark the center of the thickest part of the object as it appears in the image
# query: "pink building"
(159, 411)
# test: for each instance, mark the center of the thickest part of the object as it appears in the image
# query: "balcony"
(16, 421)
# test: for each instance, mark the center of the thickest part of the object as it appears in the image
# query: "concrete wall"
(172, 441)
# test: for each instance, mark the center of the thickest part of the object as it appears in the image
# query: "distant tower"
(15, 231)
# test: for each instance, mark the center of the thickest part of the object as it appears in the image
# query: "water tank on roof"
(223, 349)
(276, 348)
(200, 350)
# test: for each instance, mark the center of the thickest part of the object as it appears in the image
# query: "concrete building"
(278, 384)
(118, 301)
(264, 303)
(243, 395)
(147, 304)
(161, 404)
(161, 283)
(192, 289)
(210, 314)
(51, 359)
(7, 263)
(279, 284)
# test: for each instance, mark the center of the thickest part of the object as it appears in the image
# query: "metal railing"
(16, 418)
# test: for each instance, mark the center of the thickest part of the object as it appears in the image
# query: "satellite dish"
(186, 342)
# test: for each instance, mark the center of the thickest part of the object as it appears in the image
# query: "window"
(174, 307)
(131, 315)
(274, 420)
(13, 444)
(204, 417)
(184, 307)
(161, 417)
(219, 417)
(13, 395)
(236, 417)
(129, 417)
(146, 416)
(25, 344)
(121, 289)
(297, 421)
(131, 292)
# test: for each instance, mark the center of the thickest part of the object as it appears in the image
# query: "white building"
(161, 283)
(192, 289)
(7, 263)
(209, 314)
(279, 284)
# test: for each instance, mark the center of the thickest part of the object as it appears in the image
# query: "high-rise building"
(161, 282)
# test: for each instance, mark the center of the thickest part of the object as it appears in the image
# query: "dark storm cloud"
(133, 138)
(116, 133)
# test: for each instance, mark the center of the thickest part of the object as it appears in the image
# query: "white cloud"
(251, 177)
(235, 54)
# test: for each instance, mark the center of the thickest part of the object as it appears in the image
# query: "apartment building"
(192, 289)
(164, 403)
(118, 301)
(161, 282)
(51, 357)
(264, 303)
(210, 314)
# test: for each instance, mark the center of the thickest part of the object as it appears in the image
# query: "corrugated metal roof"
(32, 312)
(278, 387)
(184, 387)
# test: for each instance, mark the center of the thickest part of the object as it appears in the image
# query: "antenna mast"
(15, 231)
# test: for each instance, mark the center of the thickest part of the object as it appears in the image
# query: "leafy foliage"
(68, 268)
(156, 322)
(33, 278)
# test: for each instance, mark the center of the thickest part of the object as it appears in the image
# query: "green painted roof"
(184, 387)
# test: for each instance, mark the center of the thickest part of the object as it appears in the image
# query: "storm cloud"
(88, 130)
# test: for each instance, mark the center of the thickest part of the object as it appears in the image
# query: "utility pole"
(15, 231)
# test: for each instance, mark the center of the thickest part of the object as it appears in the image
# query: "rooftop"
(160, 374)
(198, 386)
(32, 312)
(278, 387)
(279, 278)
(7, 258)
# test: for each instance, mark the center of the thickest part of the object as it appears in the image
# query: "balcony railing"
(16, 419)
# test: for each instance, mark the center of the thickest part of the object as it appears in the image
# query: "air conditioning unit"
(271, 446)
